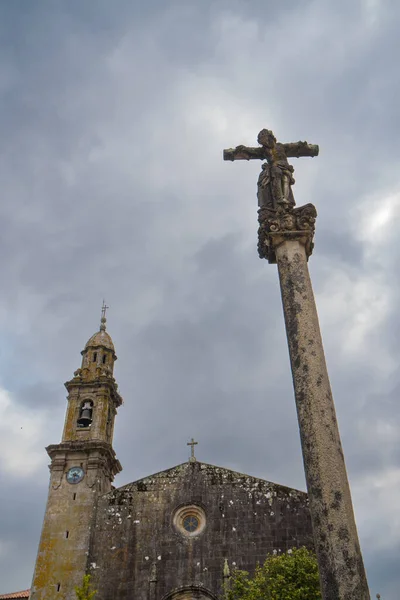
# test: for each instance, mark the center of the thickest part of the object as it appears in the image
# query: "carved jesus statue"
(276, 178)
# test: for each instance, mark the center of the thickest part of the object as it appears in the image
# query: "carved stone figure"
(273, 186)
(276, 178)
(285, 222)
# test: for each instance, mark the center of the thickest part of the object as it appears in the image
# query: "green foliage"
(291, 576)
(84, 592)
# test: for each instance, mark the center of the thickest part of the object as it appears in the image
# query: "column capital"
(285, 223)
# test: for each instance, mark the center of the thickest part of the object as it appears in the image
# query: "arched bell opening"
(85, 414)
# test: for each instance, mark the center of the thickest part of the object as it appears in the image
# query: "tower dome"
(99, 351)
(100, 339)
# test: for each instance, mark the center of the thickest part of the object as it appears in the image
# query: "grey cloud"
(113, 186)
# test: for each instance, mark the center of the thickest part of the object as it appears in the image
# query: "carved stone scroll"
(275, 226)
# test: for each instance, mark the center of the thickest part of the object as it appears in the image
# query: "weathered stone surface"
(285, 236)
(335, 534)
(62, 558)
(285, 223)
(134, 540)
(137, 548)
(276, 177)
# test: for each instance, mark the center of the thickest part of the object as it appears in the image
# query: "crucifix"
(276, 177)
(285, 237)
(192, 443)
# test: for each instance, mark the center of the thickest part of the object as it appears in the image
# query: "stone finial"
(103, 319)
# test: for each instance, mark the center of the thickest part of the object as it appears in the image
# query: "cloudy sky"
(113, 117)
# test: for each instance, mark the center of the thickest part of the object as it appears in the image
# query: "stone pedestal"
(285, 237)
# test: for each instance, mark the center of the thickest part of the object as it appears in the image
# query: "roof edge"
(15, 595)
(279, 485)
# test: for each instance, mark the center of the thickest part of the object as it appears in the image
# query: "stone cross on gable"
(192, 443)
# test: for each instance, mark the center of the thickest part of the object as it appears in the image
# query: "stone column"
(285, 237)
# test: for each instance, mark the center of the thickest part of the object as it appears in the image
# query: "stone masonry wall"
(138, 553)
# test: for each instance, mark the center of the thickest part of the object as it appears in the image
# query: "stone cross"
(192, 443)
(285, 237)
(276, 178)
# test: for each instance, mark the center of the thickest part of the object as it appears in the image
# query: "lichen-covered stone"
(63, 552)
(338, 550)
(136, 545)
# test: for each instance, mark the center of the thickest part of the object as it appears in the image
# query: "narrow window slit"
(74, 497)
(58, 587)
(67, 534)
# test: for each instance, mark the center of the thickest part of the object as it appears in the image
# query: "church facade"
(174, 535)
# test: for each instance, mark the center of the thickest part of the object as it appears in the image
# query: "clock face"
(75, 475)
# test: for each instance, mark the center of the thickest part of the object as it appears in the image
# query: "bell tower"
(82, 467)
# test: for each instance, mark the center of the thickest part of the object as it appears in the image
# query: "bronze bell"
(85, 420)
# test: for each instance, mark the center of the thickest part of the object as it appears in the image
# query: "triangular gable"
(230, 474)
